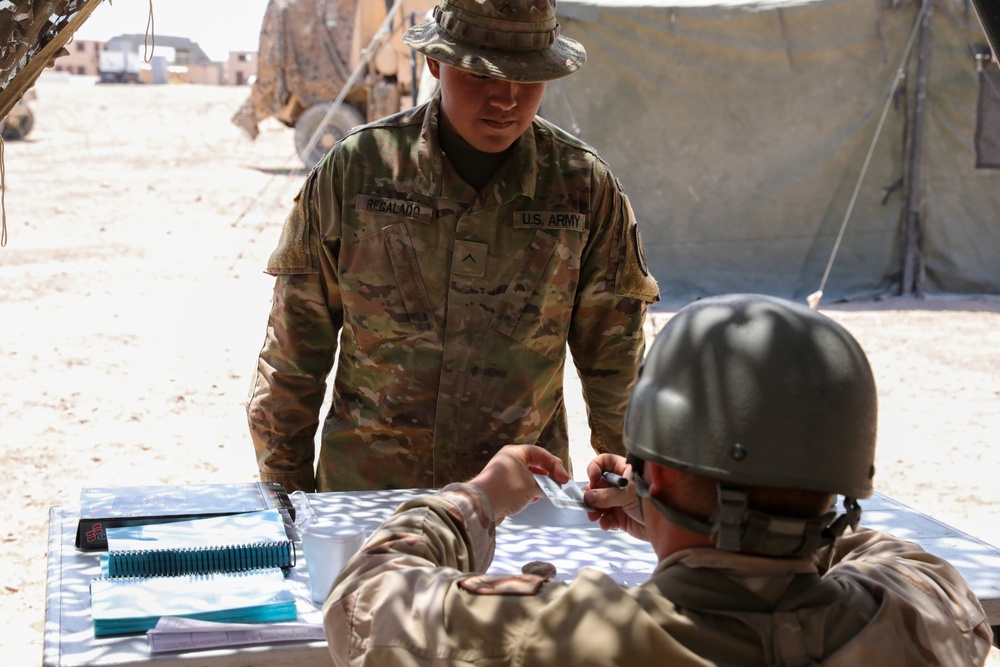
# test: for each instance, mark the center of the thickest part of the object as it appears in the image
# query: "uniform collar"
(737, 563)
(518, 176)
(712, 579)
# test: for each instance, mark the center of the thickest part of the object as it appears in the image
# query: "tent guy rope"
(814, 298)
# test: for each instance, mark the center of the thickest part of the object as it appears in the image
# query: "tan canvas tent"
(756, 138)
(740, 131)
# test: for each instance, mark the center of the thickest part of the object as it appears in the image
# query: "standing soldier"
(455, 250)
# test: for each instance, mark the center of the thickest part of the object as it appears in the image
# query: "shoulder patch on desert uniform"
(633, 278)
(502, 584)
(293, 253)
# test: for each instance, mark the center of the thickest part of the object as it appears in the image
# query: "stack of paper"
(134, 604)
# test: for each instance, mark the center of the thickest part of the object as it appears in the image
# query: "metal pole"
(911, 284)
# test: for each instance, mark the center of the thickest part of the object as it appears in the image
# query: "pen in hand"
(614, 480)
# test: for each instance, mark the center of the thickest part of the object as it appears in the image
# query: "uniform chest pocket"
(537, 306)
(382, 289)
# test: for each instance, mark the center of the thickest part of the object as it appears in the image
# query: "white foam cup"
(327, 546)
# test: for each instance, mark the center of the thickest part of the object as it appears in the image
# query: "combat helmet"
(514, 40)
(757, 391)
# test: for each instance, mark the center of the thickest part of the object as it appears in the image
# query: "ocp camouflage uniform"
(411, 598)
(454, 309)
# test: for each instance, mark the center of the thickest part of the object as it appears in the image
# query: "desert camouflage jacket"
(411, 597)
(454, 309)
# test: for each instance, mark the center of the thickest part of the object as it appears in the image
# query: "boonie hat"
(514, 40)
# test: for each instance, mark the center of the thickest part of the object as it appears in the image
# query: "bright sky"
(218, 26)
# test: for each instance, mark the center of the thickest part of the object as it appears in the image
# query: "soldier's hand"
(617, 507)
(508, 479)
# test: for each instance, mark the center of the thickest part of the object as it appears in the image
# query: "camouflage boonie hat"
(514, 40)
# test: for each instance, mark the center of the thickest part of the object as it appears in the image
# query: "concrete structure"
(186, 62)
(185, 51)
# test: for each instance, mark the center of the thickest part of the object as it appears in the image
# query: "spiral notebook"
(133, 605)
(104, 507)
(229, 543)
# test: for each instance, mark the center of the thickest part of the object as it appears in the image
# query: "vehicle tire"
(343, 120)
(18, 124)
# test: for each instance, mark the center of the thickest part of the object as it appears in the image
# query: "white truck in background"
(117, 66)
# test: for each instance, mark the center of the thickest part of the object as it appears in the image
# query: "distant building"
(164, 59)
(241, 69)
(82, 58)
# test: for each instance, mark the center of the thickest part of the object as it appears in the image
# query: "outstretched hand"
(508, 479)
(617, 508)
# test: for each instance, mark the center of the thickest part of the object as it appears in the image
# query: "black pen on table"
(614, 480)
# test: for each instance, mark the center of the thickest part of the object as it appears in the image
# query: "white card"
(568, 497)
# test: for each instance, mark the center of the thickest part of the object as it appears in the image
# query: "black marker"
(614, 480)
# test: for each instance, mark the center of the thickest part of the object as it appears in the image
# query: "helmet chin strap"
(734, 527)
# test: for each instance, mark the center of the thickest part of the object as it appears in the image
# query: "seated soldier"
(751, 415)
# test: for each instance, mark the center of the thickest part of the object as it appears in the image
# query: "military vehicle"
(326, 66)
(20, 120)
(119, 66)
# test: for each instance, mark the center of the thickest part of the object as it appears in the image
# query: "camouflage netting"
(32, 34)
(19, 20)
(305, 47)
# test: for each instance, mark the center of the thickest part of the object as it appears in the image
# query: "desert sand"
(133, 304)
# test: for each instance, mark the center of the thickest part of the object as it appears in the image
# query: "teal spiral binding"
(193, 560)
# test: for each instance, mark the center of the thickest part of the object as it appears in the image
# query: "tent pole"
(912, 268)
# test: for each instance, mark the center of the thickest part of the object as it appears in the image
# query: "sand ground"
(132, 307)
